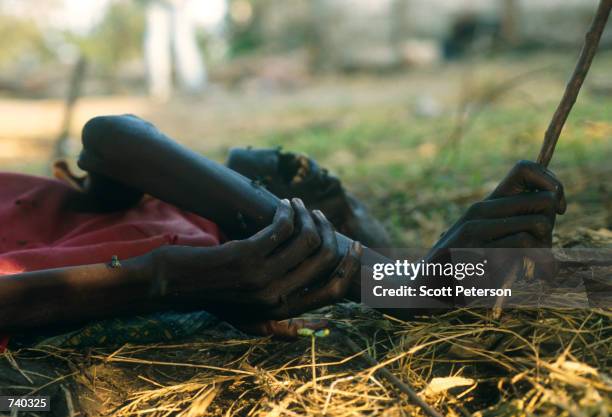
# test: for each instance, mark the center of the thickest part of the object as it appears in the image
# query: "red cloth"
(3, 343)
(38, 231)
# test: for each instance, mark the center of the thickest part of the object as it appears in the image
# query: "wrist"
(354, 290)
(178, 276)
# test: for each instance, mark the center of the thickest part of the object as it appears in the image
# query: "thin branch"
(402, 386)
(589, 49)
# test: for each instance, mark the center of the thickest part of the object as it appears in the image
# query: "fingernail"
(562, 207)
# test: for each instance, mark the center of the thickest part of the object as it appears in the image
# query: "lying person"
(149, 229)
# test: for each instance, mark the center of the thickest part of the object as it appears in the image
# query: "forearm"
(77, 294)
(413, 306)
(143, 158)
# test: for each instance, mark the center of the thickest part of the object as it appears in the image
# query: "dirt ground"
(418, 148)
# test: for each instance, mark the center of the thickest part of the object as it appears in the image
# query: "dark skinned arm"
(519, 213)
(131, 151)
(115, 145)
(77, 294)
(249, 282)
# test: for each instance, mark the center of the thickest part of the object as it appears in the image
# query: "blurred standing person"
(170, 36)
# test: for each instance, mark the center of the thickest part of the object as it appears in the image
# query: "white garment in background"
(170, 36)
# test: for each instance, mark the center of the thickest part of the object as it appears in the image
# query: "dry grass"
(528, 363)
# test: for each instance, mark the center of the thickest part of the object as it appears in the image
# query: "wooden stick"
(388, 375)
(591, 42)
(74, 93)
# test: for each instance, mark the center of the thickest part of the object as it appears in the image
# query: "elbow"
(103, 136)
(97, 132)
(96, 138)
(99, 137)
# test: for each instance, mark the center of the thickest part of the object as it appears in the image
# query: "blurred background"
(420, 106)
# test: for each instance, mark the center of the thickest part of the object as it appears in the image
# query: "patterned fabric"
(152, 328)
